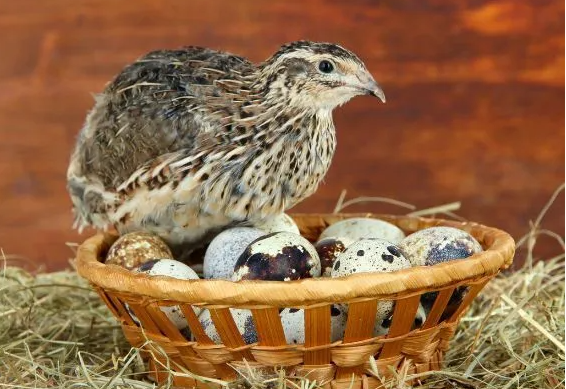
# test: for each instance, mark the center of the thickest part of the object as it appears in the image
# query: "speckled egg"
(369, 255)
(135, 248)
(293, 322)
(280, 256)
(434, 245)
(170, 268)
(328, 250)
(225, 249)
(243, 319)
(279, 223)
(362, 228)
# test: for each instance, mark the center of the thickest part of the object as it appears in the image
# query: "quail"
(187, 142)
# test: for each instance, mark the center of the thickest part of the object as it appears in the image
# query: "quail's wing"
(164, 102)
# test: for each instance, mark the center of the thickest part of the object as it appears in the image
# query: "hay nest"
(56, 333)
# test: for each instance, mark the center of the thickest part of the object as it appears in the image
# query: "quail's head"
(312, 75)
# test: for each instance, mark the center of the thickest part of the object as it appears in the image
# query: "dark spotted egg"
(434, 245)
(362, 228)
(328, 250)
(243, 320)
(225, 249)
(280, 256)
(170, 268)
(430, 246)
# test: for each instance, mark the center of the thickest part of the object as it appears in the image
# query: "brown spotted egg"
(135, 248)
(242, 318)
(225, 249)
(293, 322)
(279, 223)
(362, 228)
(328, 250)
(280, 256)
(372, 255)
(430, 246)
(170, 268)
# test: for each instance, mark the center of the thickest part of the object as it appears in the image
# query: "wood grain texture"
(475, 93)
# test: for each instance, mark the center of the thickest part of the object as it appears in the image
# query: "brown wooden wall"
(475, 94)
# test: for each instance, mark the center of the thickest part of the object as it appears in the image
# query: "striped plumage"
(186, 142)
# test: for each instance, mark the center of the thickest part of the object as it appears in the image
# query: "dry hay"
(56, 333)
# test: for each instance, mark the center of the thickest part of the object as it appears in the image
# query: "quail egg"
(369, 255)
(135, 248)
(280, 256)
(279, 223)
(372, 255)
(225, 249)
(430, 246)
(362, 228)
(293, 322)
(434, 245)
(328, 250)
(243, 319)
(171, 268)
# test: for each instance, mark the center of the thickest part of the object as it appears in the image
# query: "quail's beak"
(375, 90)
(371, 87)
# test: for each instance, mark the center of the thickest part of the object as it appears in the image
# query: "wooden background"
(475, 97)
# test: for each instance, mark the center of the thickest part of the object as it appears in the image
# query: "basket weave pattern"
(341, 364)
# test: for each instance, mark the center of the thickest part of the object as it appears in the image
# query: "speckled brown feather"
(185, 142)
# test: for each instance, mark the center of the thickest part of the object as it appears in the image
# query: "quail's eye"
(325, 66)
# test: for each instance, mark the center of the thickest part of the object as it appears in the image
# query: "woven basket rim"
(498, 255)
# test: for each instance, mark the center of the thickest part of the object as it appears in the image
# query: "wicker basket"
(342, 364)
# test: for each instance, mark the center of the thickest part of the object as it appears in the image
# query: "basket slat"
(361, 320)
(194, 325)
(317, 333)
(119, 306)
(359, 327)
(403, 319)
(438, 307)
(147, 321)
(470, 296)
(268, 325)
(229, 333)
